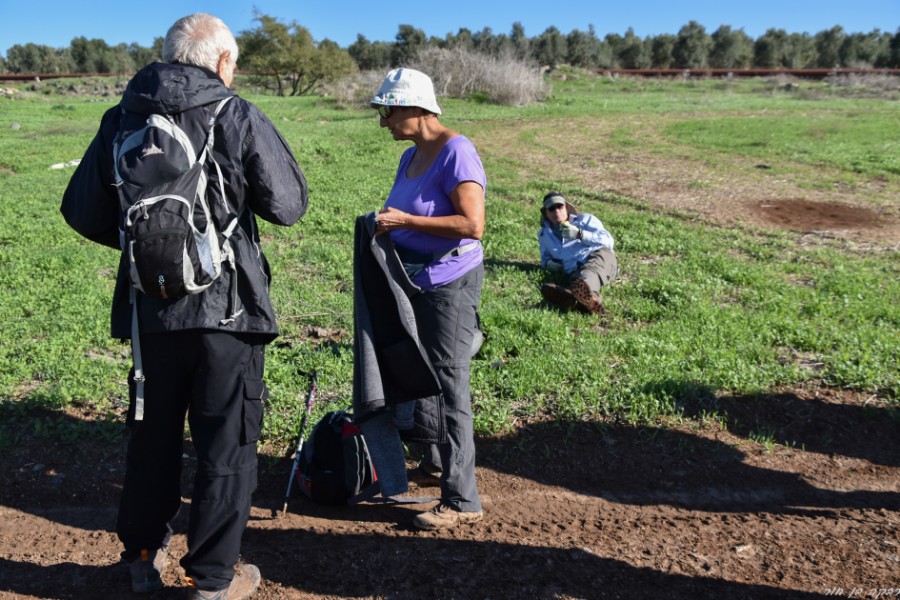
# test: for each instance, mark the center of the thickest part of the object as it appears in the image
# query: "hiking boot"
(558, 295)
(587, 301)
(146, 570)
(245, 583)
(443, 516)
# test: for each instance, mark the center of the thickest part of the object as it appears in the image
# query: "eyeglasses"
(554, 207)
(385, 112)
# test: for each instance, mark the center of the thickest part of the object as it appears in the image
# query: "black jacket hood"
(171, 88)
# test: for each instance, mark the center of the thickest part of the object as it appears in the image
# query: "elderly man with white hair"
(201, 355)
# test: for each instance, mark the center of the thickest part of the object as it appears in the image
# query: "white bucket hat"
(407, 87)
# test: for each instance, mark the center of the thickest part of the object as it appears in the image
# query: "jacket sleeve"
(593, 232)
(544, 241)
(90, 204)
(277, 187)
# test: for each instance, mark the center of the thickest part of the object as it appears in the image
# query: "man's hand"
(569, 231)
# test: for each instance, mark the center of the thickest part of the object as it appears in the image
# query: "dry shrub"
(871, 81)
(458, 73)
(355, 91)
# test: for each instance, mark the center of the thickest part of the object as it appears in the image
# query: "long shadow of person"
(354, 566)
(61, 467)
(655, 465)
(824, 421)
(415, 567)
(65, 468)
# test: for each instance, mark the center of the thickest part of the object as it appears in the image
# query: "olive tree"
(731, 49)
(692, 47)
(37, 58)
(287, 53)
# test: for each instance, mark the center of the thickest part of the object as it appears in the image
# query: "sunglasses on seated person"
(385, 112)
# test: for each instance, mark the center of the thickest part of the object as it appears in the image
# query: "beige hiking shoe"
(245, 583)
(146, 570)
(443, 516)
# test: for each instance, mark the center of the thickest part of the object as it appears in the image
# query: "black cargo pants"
(216, 379)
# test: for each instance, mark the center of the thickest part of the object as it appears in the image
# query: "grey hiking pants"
(447, 323)
(599, 270)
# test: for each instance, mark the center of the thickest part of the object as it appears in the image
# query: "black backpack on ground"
(335, 467)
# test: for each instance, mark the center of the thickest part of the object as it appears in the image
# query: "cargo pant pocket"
(255, 393)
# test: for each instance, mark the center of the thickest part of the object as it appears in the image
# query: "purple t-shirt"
(429, 195)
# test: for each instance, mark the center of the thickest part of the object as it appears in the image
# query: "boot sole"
(558, 295)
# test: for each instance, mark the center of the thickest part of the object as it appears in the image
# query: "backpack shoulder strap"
(211, 123)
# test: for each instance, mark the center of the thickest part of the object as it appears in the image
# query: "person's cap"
(407, 87)
(552, 199)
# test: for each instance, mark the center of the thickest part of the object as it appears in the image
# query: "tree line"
(297, 64)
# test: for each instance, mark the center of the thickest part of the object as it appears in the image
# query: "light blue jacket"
(573, 253)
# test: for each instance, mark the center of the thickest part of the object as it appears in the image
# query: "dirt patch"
(788, 495)
(805, 215)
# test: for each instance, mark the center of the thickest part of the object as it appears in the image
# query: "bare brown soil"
(786, 496)
(792, 495)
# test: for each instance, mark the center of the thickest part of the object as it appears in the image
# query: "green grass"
(699, 310)
(857, 142)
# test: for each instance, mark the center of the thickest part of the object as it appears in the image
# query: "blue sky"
(56, 22)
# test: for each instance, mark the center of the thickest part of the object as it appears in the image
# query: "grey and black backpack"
(173, 243)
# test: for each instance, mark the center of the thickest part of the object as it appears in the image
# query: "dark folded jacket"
(390, 366)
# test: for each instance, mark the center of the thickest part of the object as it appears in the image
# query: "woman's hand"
(468, 222)
(389, 219)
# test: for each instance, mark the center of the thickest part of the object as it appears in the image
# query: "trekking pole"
(309, 405)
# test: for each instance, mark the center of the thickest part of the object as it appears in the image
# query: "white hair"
(199, 39)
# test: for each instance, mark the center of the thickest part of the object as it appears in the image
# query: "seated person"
(577, 246)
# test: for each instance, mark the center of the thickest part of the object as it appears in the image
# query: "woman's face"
(557, 213)
(400, 122)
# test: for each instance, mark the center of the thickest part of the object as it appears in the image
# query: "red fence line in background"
(42, 76)
(800, 73)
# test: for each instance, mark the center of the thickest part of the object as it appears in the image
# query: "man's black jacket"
(261, 177)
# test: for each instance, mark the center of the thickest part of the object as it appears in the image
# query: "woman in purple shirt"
(435, 217)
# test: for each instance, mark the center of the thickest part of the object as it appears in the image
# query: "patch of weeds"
(9, 436)
(624, 138)
(765, 437)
